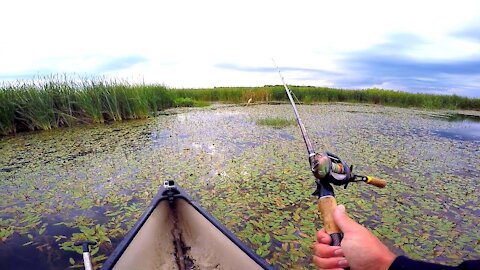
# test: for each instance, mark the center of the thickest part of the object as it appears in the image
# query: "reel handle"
(376, 182)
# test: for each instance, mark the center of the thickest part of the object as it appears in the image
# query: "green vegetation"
(228, 94)
(63, 186)
(61, 101)
(310, 95)
(275, 122)
(188, 102)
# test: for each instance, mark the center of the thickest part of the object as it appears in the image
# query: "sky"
(417, 46)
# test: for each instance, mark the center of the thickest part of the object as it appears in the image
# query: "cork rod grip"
(376, 182)
(327, 205)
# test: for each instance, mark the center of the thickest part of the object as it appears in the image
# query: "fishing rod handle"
(327, 205)
(376, 182)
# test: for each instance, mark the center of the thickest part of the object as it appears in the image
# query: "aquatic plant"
(275, 122)
(7, 111)
(183, 102)
(61, 101)
(89, 103)
(35, 108)
(62, 186)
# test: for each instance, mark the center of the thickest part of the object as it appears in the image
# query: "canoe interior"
(203, 244)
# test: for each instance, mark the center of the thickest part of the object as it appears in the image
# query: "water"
(240, 172)
(466, 128)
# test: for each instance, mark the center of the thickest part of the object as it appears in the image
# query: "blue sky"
(417, 46)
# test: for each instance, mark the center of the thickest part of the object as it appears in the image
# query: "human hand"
(358, 250)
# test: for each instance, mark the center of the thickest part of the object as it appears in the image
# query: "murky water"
(70, 184)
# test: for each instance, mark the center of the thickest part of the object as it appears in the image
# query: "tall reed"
(7, 110)
(60, 101)
(35, 107)
(88, 102)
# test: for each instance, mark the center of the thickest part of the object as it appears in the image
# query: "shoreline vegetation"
(63, 102)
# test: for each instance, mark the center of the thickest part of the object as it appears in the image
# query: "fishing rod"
(328, 169)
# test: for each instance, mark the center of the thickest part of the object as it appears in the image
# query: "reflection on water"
(467, 132)
(467, 127)
(459, 117)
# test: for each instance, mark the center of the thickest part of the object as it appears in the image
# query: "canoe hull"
(174, 222)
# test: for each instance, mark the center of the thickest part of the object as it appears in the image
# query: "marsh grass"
(7, 111)
(201, 103)
(60, 101)
(183, 102)
(35, 109)
(226, 94)
(189, 102)
(275, 122)
(379, 96)
(89, 104)
(310, 95)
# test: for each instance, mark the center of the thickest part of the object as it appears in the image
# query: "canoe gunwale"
(174, 193)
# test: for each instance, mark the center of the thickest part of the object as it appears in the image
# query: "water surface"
(467, 127)
(94, 182)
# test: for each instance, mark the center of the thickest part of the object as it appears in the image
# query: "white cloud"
(183, 41)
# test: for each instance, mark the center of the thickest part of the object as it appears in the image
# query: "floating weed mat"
(275, 122)
(93, 183)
